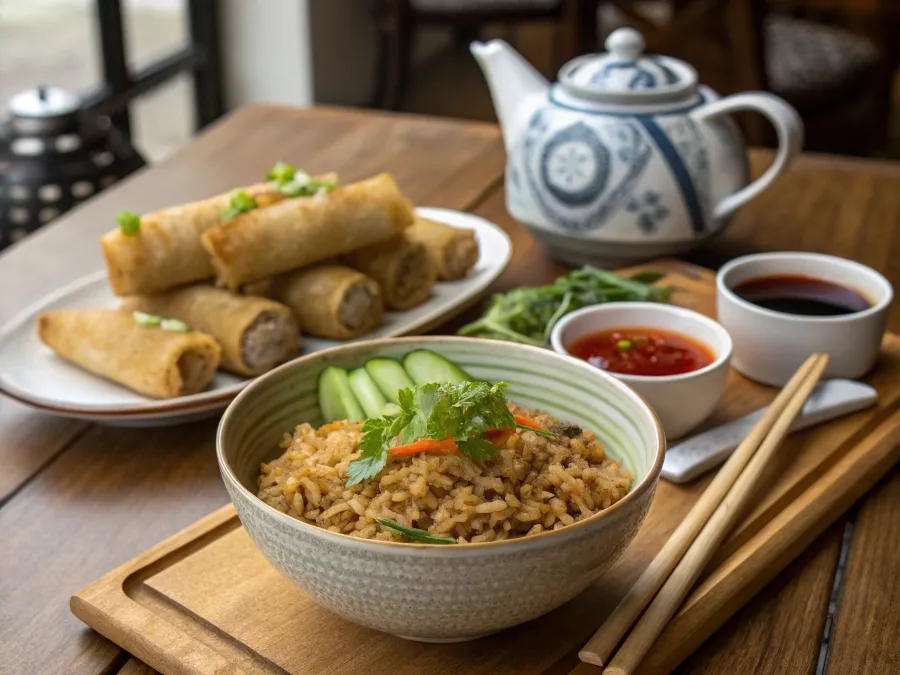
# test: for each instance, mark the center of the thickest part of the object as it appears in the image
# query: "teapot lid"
(625, 75)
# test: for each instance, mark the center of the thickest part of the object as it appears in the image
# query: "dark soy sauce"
(807, 296)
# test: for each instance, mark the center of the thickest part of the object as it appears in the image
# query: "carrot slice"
(525, 422)
(498, 437)
(446, 446)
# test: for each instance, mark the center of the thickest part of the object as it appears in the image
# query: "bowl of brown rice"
(530, 527)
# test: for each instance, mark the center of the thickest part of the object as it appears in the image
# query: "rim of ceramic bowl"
(722, 357)
(638, 490)
(864, 270)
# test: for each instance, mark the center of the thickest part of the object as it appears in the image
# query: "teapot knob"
(626, 43)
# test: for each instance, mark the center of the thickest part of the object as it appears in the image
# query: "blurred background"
(162, 69)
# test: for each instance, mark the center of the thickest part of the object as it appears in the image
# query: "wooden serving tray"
(206, 601)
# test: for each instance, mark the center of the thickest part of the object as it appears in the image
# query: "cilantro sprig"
(464, 412)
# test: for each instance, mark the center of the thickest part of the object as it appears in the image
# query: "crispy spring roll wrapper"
(331, 301)
(151, 361)
(298, 232)
(255, 334)
(167, 250)
(453, 250)
(402, 269)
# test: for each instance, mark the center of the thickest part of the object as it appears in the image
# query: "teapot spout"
(513, 83)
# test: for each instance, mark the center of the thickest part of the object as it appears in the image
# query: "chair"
(839, 80)
(399, 21)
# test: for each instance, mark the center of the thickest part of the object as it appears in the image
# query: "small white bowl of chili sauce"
(675, 358)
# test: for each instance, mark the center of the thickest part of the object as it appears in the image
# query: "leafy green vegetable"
(414, 533)
(239, 202)
(144, 319)
(463, 412)
(129, 222)
(528, 315)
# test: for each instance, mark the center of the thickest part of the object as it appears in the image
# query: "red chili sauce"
(642, 351)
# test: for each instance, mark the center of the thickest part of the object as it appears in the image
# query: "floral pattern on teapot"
(625, 147)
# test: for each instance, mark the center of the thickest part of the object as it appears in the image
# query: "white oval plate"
(33, 374)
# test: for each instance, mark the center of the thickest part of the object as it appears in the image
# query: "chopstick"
(681, 560)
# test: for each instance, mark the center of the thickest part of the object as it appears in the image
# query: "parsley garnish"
(463, 412)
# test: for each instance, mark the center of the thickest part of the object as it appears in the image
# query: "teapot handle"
(788, 127)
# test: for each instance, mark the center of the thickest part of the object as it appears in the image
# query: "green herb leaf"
(463, 412)
(528, 315)
(539, 432)
(143, 319)
(378, 433)
(174, 325)
(129, 222)
(281, 172)
(415, 534)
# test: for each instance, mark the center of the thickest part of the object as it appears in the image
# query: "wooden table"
(77, 500)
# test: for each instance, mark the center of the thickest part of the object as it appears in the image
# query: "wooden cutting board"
(206, 601)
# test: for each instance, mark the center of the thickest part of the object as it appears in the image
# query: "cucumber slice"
(367, 393)
(336, 399)
(425, 366)
(389, 376)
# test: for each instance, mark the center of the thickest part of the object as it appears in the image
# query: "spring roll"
(255, 334)
(402, 269)
(298, 232)
(331, 301)
(150, 360)
(453, 250)
(166, 251)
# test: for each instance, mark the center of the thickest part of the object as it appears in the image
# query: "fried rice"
(532, 485)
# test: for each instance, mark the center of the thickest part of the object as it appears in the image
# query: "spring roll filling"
(192, 370)
(356, 306)
(460, 256)
(266, 341)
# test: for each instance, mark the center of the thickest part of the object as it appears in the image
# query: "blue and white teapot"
(626, 157)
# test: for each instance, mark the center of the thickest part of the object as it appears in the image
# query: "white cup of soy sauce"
(781, 307)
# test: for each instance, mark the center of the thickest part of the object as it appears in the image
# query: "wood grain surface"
(214, 574)
(81, 500)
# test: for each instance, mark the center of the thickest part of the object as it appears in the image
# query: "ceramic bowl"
(769, 346)
(681, 401)
(444, 593)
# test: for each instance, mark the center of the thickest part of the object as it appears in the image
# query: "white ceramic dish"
(681, 401)
(444, 593)
(769, 346)
(33, 374)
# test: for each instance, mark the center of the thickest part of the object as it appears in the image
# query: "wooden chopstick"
(679, 583)
(598, 650)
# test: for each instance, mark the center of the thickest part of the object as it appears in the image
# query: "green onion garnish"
(624, 344)
(174, 325)
(129, 222)
(415, 534)
(240, 202)
(144, 319)
(282, 172)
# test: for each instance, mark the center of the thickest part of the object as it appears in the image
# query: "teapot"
(625, 157)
